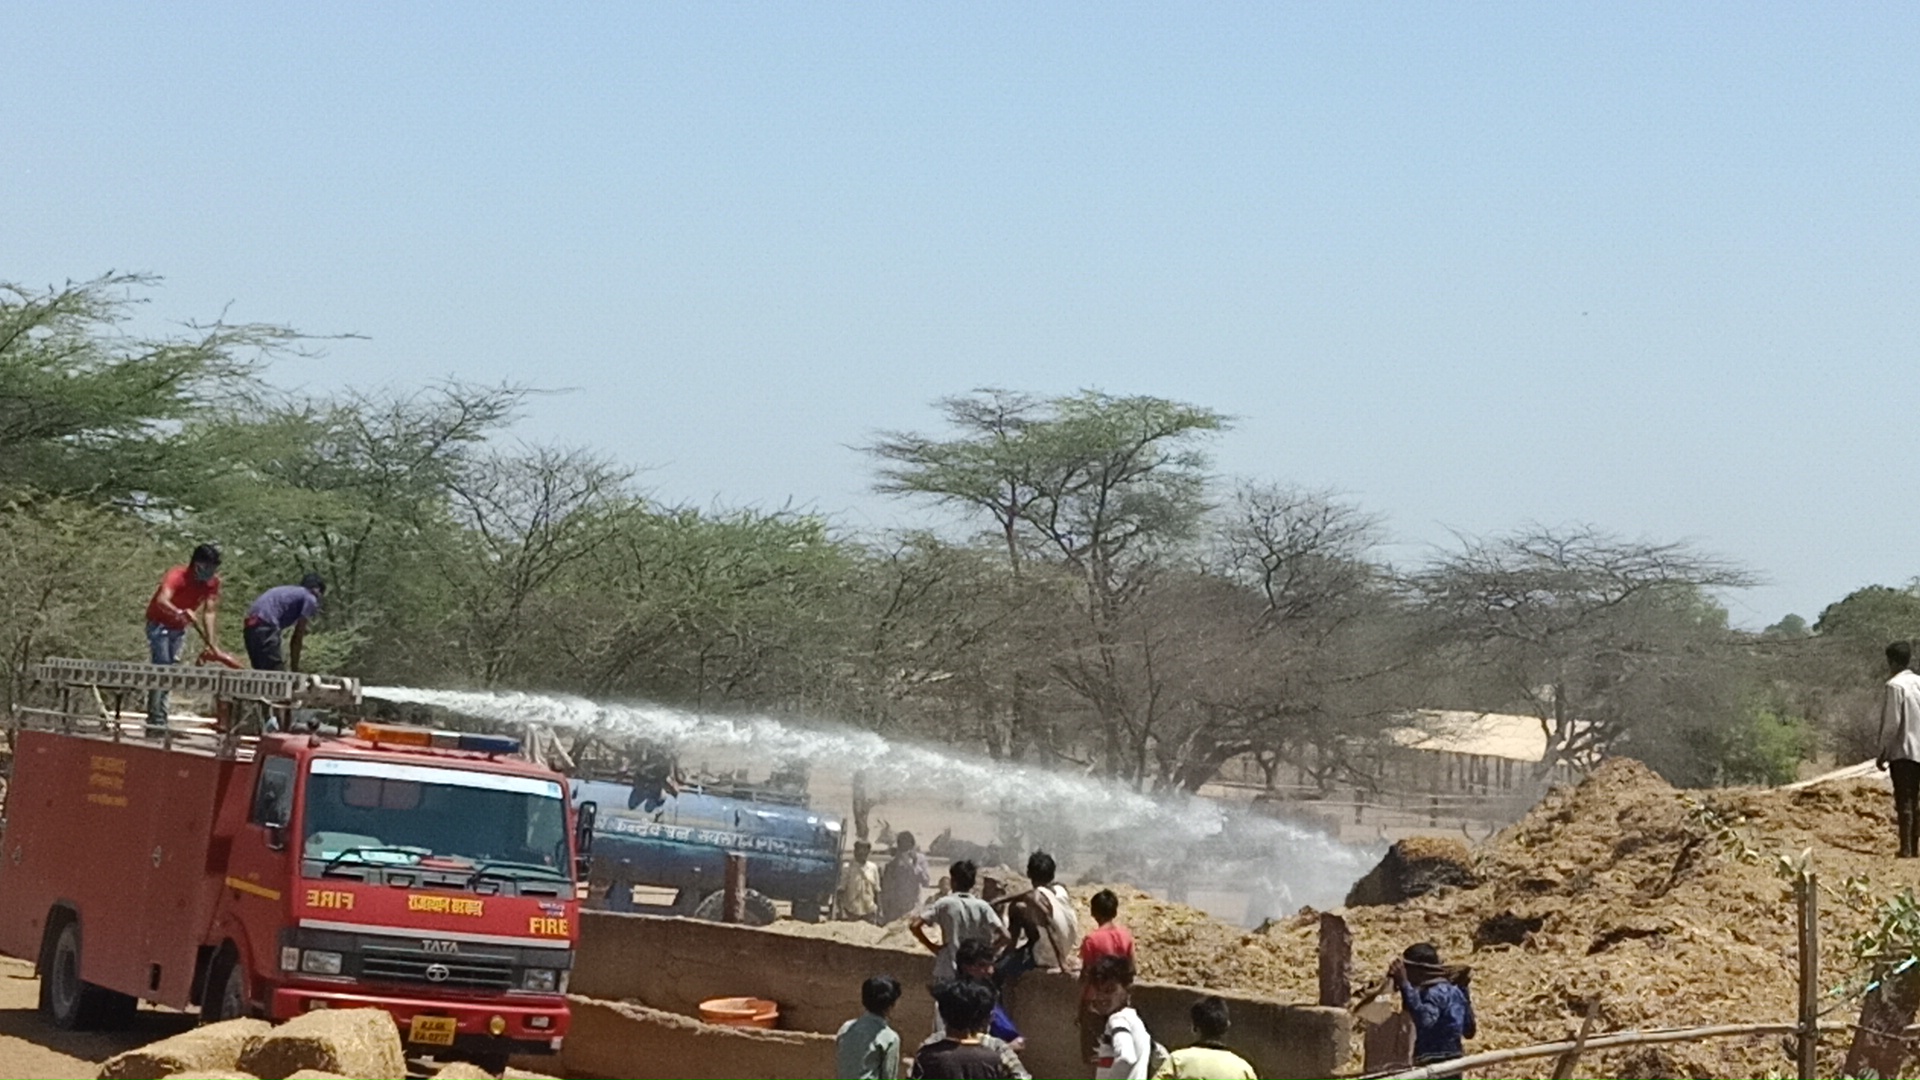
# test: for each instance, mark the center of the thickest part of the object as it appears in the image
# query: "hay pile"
(335, 1043)
(349, 1042)
(208, 1049)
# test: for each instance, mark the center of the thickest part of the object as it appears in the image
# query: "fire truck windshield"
(457, 826)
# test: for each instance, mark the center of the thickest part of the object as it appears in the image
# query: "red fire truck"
(431, 874)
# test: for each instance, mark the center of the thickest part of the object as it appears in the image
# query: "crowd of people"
(982, 948)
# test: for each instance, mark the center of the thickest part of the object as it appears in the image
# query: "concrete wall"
(674, 964)
(618, 1039)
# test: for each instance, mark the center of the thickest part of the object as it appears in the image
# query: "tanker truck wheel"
(71, 1002)
(759, 909)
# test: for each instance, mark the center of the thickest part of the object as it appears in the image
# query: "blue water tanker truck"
(678, 836)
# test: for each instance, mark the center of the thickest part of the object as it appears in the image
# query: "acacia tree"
(527, 518)
(1835, 672)
(94, 476)
(89, 408)
(358, 488)
(742, 607)
(1103, 487)
(1331, 649)
(1604, 640)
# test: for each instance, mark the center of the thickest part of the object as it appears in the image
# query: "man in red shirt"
(1107, 939)
(183, 591)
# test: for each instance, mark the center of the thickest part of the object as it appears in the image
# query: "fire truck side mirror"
(583, 828)
(585, 816)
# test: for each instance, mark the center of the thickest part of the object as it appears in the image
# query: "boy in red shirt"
(183, 591)
(1107, 939)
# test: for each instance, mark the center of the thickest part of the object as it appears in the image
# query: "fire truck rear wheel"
(68, 1000)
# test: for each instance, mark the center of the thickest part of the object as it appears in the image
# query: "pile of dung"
(1620, 892)
(1414, 867)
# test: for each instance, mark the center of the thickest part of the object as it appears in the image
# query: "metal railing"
(91, 698)
(290, 688)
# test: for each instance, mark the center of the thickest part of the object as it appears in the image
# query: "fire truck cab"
(430, 874)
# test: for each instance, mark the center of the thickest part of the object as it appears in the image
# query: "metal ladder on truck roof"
(79, 691)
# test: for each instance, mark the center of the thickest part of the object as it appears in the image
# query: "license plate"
(432, 1030)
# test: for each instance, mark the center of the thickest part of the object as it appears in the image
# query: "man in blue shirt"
(1437, 1001)
(276, 610)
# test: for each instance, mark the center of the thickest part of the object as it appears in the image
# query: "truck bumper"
(520, 1029)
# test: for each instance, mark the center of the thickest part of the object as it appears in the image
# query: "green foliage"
(357, 489)
(1873, 616)
(87, 407)
(708, 608)
(1766, 746)
(1790, 627)
(74, 581)
(1890, 945)
(1756, 744)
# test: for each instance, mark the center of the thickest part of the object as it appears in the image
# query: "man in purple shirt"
(274, 611)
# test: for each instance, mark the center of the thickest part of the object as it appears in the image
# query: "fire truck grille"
(419, 968)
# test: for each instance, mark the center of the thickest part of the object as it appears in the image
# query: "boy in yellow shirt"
(1208, 1058)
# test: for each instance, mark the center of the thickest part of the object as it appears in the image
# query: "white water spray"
(1281, 863)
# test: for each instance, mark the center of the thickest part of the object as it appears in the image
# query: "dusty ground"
(29, 1047)
(32, 1049)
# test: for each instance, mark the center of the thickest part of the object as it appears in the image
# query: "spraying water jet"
(1283, 864)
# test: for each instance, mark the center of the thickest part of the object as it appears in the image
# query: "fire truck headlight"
(541, 981)
(320, 962)
(289, 958)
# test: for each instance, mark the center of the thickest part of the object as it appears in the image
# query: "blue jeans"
(163, 647)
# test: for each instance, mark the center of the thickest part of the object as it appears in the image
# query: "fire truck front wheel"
(69, 1001)
(490, 1062)
(228, 997)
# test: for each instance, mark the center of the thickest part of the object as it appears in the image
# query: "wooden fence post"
(1563, 1065)
(1880, 1042)
(1806, 889)
(733, 907)
(1336, 961)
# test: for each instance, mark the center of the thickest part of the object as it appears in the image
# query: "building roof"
(1455, 731)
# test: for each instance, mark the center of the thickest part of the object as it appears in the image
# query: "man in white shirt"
(1125, 1050)
(1900, 743)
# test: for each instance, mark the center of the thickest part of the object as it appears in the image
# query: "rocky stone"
(199, 1052)
(362, 1043)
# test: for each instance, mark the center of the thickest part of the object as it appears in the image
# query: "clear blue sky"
(1647, 266)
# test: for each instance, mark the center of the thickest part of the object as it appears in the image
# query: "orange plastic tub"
(741, 1012)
